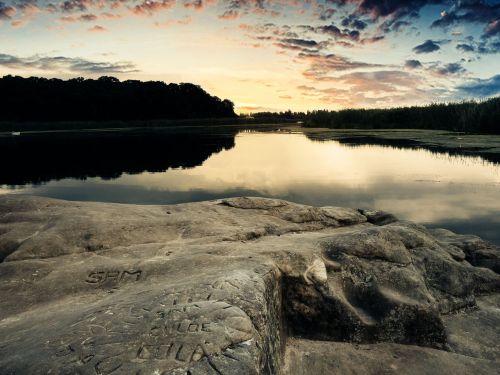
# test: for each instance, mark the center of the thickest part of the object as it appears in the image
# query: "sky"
(266, 55)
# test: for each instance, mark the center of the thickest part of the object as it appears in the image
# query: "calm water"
(456, 192)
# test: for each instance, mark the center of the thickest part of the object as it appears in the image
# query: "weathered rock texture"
(240, 286)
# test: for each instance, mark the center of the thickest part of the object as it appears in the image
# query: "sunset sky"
(266, 55)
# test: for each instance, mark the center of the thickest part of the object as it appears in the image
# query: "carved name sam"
(100, 277)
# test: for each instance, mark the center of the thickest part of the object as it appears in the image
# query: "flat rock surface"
(240, 286)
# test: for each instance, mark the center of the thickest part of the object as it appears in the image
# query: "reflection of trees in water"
(410, 144)
(35, 159)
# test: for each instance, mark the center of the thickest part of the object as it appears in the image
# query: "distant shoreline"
(33, 126)
(473, 117)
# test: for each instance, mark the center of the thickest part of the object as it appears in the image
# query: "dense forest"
(104, 99)
(471, 117)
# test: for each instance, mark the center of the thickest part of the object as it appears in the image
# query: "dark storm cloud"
(482, 87)
(428, 46)
(77, 65)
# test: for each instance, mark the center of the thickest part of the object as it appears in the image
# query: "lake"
(429, 185)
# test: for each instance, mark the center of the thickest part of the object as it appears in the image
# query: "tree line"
(467, 116)
(105, 99)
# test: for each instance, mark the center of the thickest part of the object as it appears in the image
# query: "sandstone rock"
(476, 251)
(318, 357)
(378, 217)
(240, 286)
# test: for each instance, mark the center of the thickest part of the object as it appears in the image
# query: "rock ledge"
(240, 286)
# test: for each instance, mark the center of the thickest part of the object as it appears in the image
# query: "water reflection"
(39, 158)
(405, 144)
(460, 193)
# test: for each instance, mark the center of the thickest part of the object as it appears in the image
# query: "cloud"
(237, 8)
(483, 47)
(326, 14)
(84, 17)
(71, 64)
(427, 47)
(482, 87)
(230, 14)
(320, 66)
(183, 21)
(336, 33)
(354, 22)
(450, 69)
(148, 7)
(493, 28)
(394, 8)
(72, 5)
(436, 69)
(70, 10)
(413, 64)
(97, 29)
(380, 82)
(382, 88)
(301, 42)
(472, 11)
(393, 14)
(7, 11)
(465, 47)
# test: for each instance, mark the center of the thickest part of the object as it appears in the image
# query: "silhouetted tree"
(79, 99)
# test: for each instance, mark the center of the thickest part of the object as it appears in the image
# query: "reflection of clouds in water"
(423, 202)
(458, 207)
(414, 184)
(274, 161)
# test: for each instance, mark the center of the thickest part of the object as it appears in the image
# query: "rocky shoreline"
(240, 286)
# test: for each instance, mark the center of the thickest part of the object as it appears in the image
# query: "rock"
(375, 359)
(476, 251)
(378, 217)
(240, 286)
